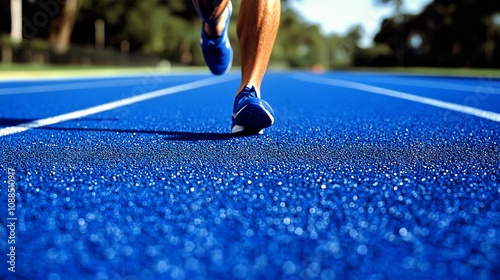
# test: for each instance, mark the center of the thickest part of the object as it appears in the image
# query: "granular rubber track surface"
(363, 176)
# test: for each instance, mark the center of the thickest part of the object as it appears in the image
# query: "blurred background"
(315, 34)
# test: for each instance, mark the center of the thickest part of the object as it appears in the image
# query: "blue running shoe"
(250, 113)
(217, 51)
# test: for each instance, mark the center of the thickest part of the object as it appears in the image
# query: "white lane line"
(145, 81)
(485, 86)
(402, 95)
(114, 105)
(96, 76)
(70, 86)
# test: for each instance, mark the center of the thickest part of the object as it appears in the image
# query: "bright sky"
(338, 16)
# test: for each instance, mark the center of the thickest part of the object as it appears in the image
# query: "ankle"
(250, 86)
(216, 28)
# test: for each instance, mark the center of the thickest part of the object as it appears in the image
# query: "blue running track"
(363, 176)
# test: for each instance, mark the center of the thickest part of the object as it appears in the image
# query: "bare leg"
(213, 13)
(258, 23)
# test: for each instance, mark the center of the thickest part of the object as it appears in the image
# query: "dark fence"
(37, 51)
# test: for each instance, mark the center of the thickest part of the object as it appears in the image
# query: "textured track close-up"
(362, 176)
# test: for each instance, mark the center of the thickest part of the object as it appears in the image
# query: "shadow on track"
(13, 122)
(170, 135)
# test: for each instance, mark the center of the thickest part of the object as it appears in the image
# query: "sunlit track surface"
(363, 176)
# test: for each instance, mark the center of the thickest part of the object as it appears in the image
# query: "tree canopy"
(170, 29)
(445, 33)
(452, 33)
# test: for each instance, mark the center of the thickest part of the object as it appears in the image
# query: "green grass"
(47, 70)
(18, 70)
(48, 67)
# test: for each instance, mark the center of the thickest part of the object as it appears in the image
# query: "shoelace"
(248, 92)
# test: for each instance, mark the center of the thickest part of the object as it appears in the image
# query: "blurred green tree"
(460, 33)
(169, 29)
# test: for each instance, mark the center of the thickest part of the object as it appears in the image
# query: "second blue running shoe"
(217, 51)
(250, 113)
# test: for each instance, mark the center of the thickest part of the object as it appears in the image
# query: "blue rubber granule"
(344, 185)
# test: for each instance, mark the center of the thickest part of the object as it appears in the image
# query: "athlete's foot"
(217, 50)
(250, 113)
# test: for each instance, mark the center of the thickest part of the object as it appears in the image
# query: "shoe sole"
(252, 119)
